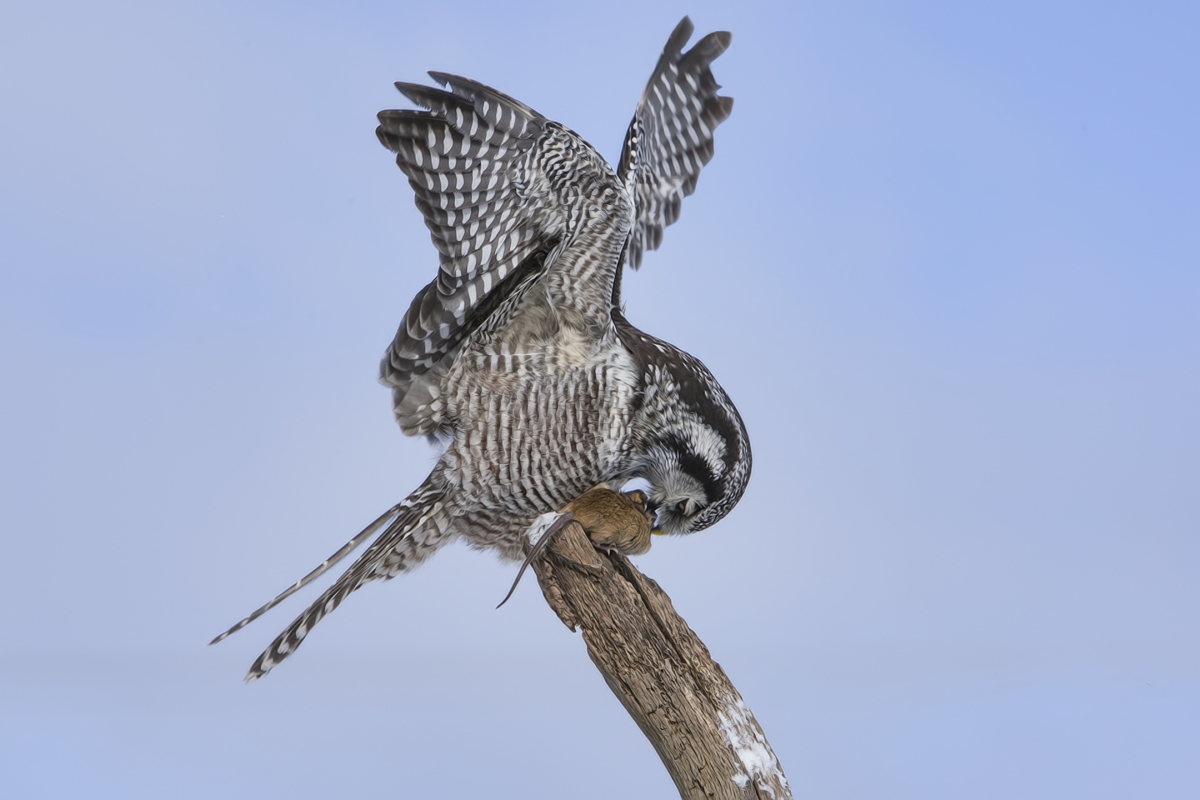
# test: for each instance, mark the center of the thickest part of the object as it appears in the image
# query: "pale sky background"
(946, 261)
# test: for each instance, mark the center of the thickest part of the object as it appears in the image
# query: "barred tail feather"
(324, 567)
(401, 546)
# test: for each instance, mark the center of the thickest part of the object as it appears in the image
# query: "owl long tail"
(346, 549)
(414, 530)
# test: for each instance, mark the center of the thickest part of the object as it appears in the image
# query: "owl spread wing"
(467, 158)
(472, 158)
(671, 136)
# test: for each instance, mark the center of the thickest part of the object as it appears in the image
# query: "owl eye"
(681, 507)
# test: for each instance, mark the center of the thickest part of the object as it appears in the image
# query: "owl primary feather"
(517, 355)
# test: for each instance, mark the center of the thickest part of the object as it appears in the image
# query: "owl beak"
(656, 531)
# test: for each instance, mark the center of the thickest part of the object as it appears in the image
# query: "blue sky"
(946, 261)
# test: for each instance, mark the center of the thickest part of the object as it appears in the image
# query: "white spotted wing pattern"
(517, 354)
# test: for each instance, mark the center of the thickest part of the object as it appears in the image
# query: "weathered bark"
(661, 672)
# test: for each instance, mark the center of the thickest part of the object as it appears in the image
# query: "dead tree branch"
(661, 672)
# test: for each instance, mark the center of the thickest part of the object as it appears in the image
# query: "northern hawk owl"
(517, 356)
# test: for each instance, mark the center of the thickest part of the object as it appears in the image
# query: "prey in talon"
(614, 521)
(620, 522)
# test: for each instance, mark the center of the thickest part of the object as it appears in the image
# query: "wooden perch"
(660, 671)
